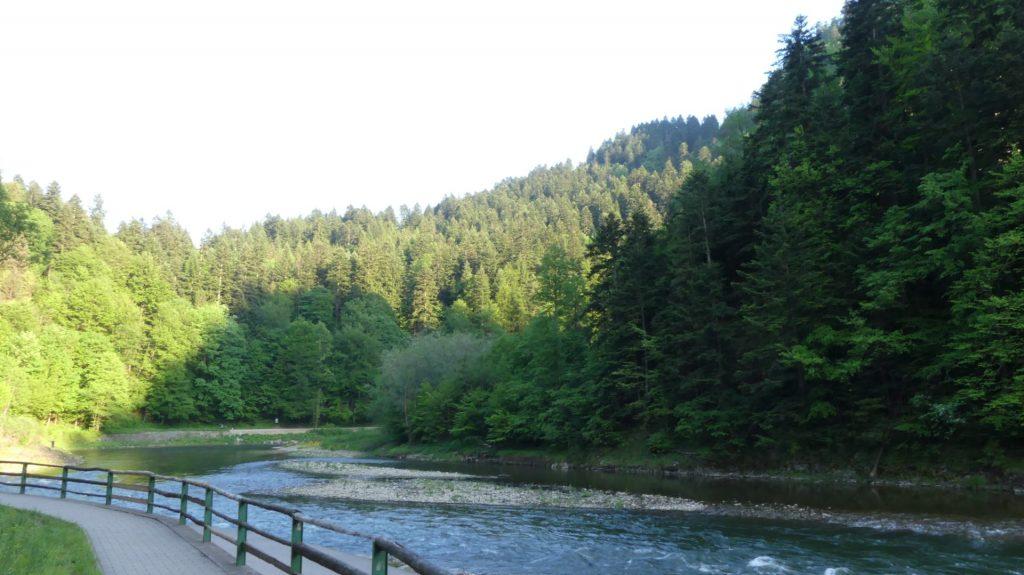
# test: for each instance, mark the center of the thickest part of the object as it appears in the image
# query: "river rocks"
(385, 484)
(362, 471)
(306, 451)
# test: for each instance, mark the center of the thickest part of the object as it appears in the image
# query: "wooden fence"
(146, 494)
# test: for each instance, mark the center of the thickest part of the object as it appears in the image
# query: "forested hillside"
(838, 267)
(288, 318)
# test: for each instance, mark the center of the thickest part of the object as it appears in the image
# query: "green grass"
(33, 543)
(370, 439)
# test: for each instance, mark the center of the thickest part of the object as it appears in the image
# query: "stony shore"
(799, 474)
(352, 482)
(379, 484)
(361, 471)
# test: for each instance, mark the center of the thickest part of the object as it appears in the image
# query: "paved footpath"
(128, 543)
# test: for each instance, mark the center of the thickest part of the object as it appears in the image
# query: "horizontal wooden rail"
(268, 558)
(202, 495)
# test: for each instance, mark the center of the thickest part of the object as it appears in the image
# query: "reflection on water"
(750, 528)
(191, 461)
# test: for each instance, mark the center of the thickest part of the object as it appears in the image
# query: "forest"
(837, 267)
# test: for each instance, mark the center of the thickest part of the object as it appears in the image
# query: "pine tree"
(792, 297)
(478, 290)
(988, 306)
(306, 376)
(424, 309)
(693, 347)
(624, 299)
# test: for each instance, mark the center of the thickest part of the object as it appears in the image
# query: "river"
(747, 527)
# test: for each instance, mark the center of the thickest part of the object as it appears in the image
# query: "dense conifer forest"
(836, 268)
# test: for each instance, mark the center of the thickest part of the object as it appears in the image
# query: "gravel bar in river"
(383, 484)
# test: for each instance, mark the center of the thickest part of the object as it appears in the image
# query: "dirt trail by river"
(172, 435)
(33, 453)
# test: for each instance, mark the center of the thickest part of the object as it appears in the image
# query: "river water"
(748, 527)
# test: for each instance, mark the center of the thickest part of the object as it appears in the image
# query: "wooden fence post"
(150, 486)
(379, 561)
(296, 540)
(243, 518)
(207, 514)
(64, 483)
(183, 508)
(24, 477)
(110, 487)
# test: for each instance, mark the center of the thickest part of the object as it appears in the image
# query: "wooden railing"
(381, 548)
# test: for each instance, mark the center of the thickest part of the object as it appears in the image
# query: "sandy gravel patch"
(305, 451)
(363, 471)
(462, 492)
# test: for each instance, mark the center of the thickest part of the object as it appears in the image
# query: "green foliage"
(837, 266)
(220, 371)
(355, 365)
(420, 382)
(841, 272)
(352, 439)
(652, 144)
(303, 373)
(988, 312)
(317, 306)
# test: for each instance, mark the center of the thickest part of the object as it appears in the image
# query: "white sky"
(225, 111)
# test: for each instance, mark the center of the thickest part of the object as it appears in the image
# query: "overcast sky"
(225, 111)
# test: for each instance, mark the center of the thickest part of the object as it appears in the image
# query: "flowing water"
(748, 527)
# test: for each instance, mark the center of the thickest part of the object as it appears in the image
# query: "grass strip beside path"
(32, 543)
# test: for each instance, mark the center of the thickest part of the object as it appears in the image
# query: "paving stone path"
(128, 543)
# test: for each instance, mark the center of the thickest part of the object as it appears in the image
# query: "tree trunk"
(878, 457)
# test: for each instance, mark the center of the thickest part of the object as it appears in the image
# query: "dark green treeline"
(837, 268)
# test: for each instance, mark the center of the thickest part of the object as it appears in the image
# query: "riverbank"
(349, 439)
(190, 435)
(174, 437)
(25, 439)
(898, 469)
